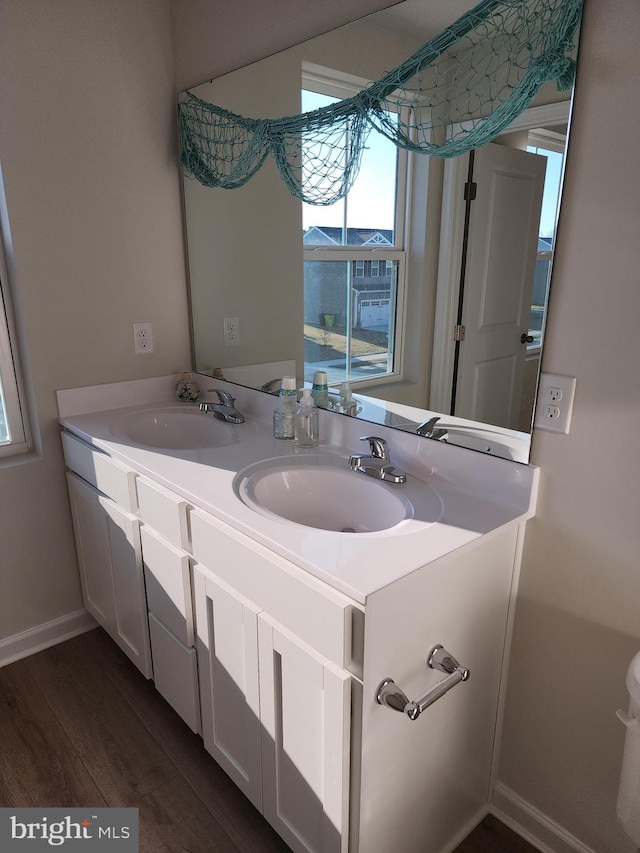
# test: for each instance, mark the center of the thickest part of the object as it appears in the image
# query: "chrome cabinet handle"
(388, 693)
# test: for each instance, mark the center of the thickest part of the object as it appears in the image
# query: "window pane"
(538, 300)
(372, 199)
(349, 319)
(369, 210)
(548, 219)
(330, 218)
(551, 193)
(4, 430)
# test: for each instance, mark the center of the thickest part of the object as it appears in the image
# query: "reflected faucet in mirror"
(273, 386)
(429, 430)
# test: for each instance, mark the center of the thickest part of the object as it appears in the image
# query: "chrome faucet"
(378, 464)
(429, 429)
(273, 386)
(224, 409)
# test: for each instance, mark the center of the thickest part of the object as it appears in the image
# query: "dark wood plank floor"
(80, 726)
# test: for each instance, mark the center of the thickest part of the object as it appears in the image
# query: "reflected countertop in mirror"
(390, 316)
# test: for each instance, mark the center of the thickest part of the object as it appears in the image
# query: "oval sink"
(321, 492)
(174, 428)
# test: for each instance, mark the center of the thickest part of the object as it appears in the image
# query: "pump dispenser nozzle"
(307, 421)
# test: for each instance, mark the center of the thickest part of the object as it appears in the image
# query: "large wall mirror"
(430, 301)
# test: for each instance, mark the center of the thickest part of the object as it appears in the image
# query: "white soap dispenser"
(347, 404)
(307, 421)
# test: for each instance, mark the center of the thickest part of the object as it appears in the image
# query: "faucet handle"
(426, 427)
(224, 397)
(378, 446)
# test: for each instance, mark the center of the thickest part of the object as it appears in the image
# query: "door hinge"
(470, 191)
(458, 333)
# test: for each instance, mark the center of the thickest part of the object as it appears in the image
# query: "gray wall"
(578, 616)
(88, 155)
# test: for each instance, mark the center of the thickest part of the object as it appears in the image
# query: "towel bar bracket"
(389, 694)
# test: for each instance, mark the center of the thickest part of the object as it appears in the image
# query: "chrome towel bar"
(389, 694)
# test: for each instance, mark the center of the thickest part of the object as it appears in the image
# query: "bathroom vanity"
(271, 637)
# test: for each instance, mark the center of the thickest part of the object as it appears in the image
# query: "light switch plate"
(554, 405)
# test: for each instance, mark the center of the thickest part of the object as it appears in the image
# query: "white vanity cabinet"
(276, 712)
(340, 773)
(110, 562)
(280, 672)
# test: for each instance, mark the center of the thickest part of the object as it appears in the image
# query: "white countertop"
(479, 494)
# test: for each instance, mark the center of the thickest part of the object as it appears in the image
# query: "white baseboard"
(43, 636)
(535, 827)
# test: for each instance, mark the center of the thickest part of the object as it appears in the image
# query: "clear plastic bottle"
(307, 421)
(319, 389)
(284, 417)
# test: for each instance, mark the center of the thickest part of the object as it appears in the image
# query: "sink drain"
(348, 530)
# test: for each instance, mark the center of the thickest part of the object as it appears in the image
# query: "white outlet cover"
(231, 331)
(143, 338)
(553, 412)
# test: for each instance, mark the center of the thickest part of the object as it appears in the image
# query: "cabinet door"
(110, 561)
(168, 583)
(227, 647)
(305, 704)
(175, 673)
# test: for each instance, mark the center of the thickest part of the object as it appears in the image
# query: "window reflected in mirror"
(354, 259)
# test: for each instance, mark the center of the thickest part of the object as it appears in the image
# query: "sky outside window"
(551, 195)
(371, 200)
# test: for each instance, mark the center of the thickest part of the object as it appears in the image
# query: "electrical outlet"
(555, 402)
(143, 338)
(231, 326)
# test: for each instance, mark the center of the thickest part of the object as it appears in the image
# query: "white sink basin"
(175, 428)
(323, 492)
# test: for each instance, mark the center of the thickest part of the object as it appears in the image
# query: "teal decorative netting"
(459, 91)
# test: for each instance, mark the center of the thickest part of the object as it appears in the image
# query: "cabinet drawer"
(175, 673)
(166, 572)
(322, 617)
(108, 476)
(163, 510)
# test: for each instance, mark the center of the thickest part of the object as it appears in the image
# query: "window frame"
(12, 389)
(333, 83)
